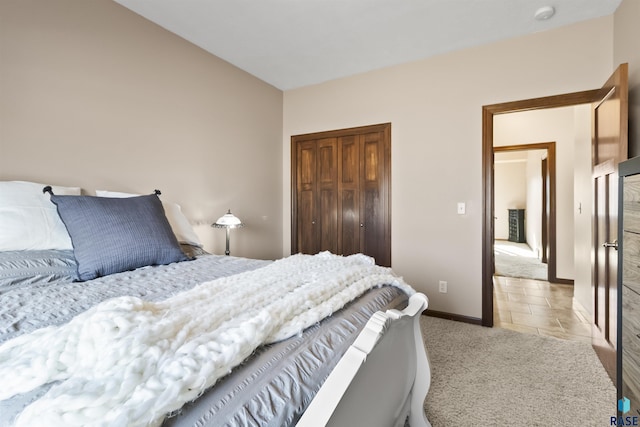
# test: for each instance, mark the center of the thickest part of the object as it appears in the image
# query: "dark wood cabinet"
(516, 226)
(341, 182)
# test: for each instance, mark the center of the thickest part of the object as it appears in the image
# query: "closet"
(341, 192)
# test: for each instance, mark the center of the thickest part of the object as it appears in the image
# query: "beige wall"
(625, 49)
(510, 183)
(435, 106)
(92, 95)
(533, 214)
(582, 207)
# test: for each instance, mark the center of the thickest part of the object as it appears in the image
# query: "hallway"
(539, 307)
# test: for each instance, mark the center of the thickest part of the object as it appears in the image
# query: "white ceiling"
(295, 43)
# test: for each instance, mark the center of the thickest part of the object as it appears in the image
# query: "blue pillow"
(110, 235)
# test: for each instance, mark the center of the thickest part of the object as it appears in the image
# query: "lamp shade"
(228, 220)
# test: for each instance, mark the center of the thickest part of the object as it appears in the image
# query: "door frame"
(549, 227)
(488, 112)
(546, 194)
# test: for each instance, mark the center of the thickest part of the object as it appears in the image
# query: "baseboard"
(563, 281)
(587, 313)
(451, 316)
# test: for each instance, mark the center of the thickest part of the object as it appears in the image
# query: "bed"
(94, 331)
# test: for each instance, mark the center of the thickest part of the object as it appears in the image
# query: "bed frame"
(382, 379)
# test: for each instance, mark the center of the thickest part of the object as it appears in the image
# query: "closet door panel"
(349, 200)
(349, 165)
(306, 197)
(373, 214)
(350, 227)
(327, 212)
(372, 234)
(307, 242)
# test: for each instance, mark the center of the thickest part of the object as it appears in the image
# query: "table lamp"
(228, 221)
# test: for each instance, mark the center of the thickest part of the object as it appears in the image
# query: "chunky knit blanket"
(130, 362)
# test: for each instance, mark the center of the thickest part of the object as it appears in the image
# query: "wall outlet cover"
(443, 286)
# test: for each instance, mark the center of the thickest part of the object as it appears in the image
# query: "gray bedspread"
(31, 305)
(271, 388)
(30, 267)
(276, 384)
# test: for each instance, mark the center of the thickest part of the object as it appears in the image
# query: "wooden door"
(317, 195)
(306, 178)
(373, 240)
(349, 198)
(609, 148)
(326, 222)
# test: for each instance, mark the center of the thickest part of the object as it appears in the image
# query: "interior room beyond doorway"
(523, 199)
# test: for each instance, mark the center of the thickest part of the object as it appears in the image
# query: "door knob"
(613, 245)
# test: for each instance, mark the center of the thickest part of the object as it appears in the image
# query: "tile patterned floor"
(539, 307)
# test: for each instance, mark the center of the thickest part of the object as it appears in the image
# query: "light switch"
(462, 208)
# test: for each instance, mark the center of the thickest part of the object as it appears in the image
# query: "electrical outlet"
(443, 286)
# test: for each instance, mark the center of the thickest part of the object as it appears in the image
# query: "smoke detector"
(544, 13)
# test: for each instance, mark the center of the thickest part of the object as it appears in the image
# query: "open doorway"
(528, 295)
(525, 213)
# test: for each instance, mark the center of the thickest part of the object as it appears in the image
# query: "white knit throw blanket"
(130, 362)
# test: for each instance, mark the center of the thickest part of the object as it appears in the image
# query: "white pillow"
(179, 223)
(28, 219)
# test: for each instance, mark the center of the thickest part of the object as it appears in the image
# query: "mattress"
(271, 388)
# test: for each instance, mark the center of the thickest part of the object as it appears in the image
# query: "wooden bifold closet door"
(341, 192)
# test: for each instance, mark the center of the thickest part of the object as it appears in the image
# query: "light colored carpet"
(492, 377)
(518, 260)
